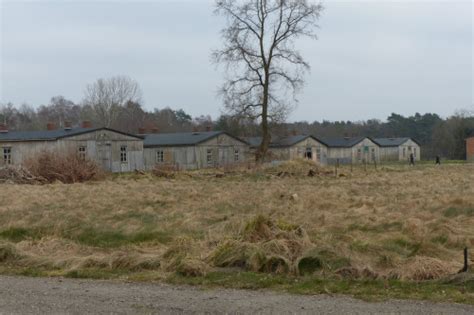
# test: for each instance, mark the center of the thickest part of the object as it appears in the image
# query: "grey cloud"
(371, 58)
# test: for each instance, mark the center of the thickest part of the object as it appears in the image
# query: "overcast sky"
(372, 57)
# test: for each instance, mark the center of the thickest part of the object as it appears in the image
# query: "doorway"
(105, 156)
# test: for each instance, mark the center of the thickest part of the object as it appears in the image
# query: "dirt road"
(20, 295)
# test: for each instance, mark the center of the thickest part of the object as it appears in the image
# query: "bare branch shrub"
(67, 168)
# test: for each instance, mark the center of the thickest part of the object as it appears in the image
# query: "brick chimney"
(50, 126)
(141, 131)
(67, 125)
(3, 128)
(86, 124)
(208, 128)
(155, 130)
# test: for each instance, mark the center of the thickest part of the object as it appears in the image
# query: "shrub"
(67, 168)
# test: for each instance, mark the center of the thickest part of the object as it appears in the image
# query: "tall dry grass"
(396, 222)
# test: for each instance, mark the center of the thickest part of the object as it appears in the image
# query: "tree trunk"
(266, 137)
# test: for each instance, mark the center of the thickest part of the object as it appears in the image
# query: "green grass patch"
(456, 212)
(363, 247)
(107, 238)
(401, 246)
(458, 290)
(440, 239)
(372, 290)
(237, 280)
(95, 274)
(146, 218)
(18, 234)
(379, 228)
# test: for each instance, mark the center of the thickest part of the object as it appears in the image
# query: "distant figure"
(412, 159)
(438, 160)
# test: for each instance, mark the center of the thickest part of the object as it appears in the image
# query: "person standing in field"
(412, 159)
(438, 160)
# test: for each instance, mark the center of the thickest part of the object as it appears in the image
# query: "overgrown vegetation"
(67, 168)
(397, 227)
(49, 167)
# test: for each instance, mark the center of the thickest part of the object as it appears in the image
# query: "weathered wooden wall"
(401, 153)
(22, 151)
(364, 151)
(102, 146)
(410, 147)
(298, 150)
(389, 153)
(222, 149)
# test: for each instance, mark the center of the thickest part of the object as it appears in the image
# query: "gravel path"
(20, 295)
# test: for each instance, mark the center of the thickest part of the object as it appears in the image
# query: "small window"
(236, 155)
(160, 156)
(7, 156)
(318, 154)
(373, 154)
(404, 152)
(82, 152)
(359, 154)
(209, 158)
(123, 154)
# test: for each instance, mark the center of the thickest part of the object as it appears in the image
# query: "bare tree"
(264, 70)
(131, 117)
(8, 114)
(106, 97)
(59, 111)
(27, 118)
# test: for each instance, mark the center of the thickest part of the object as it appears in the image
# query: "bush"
(67, 168)
(165, 170)
(264, 245)
(8, 253)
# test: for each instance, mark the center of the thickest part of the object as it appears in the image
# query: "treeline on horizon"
(437, 135)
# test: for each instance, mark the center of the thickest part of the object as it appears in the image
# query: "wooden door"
(105, 156)
(223, 156)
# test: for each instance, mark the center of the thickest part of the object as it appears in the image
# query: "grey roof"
(50, 135)
(391, 142)
(341, 142)
(254, 141)
(279, 142)
(181, 138)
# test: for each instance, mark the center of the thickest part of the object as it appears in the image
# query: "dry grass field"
(398, 231)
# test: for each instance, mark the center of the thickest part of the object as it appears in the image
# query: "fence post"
(466, 261)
